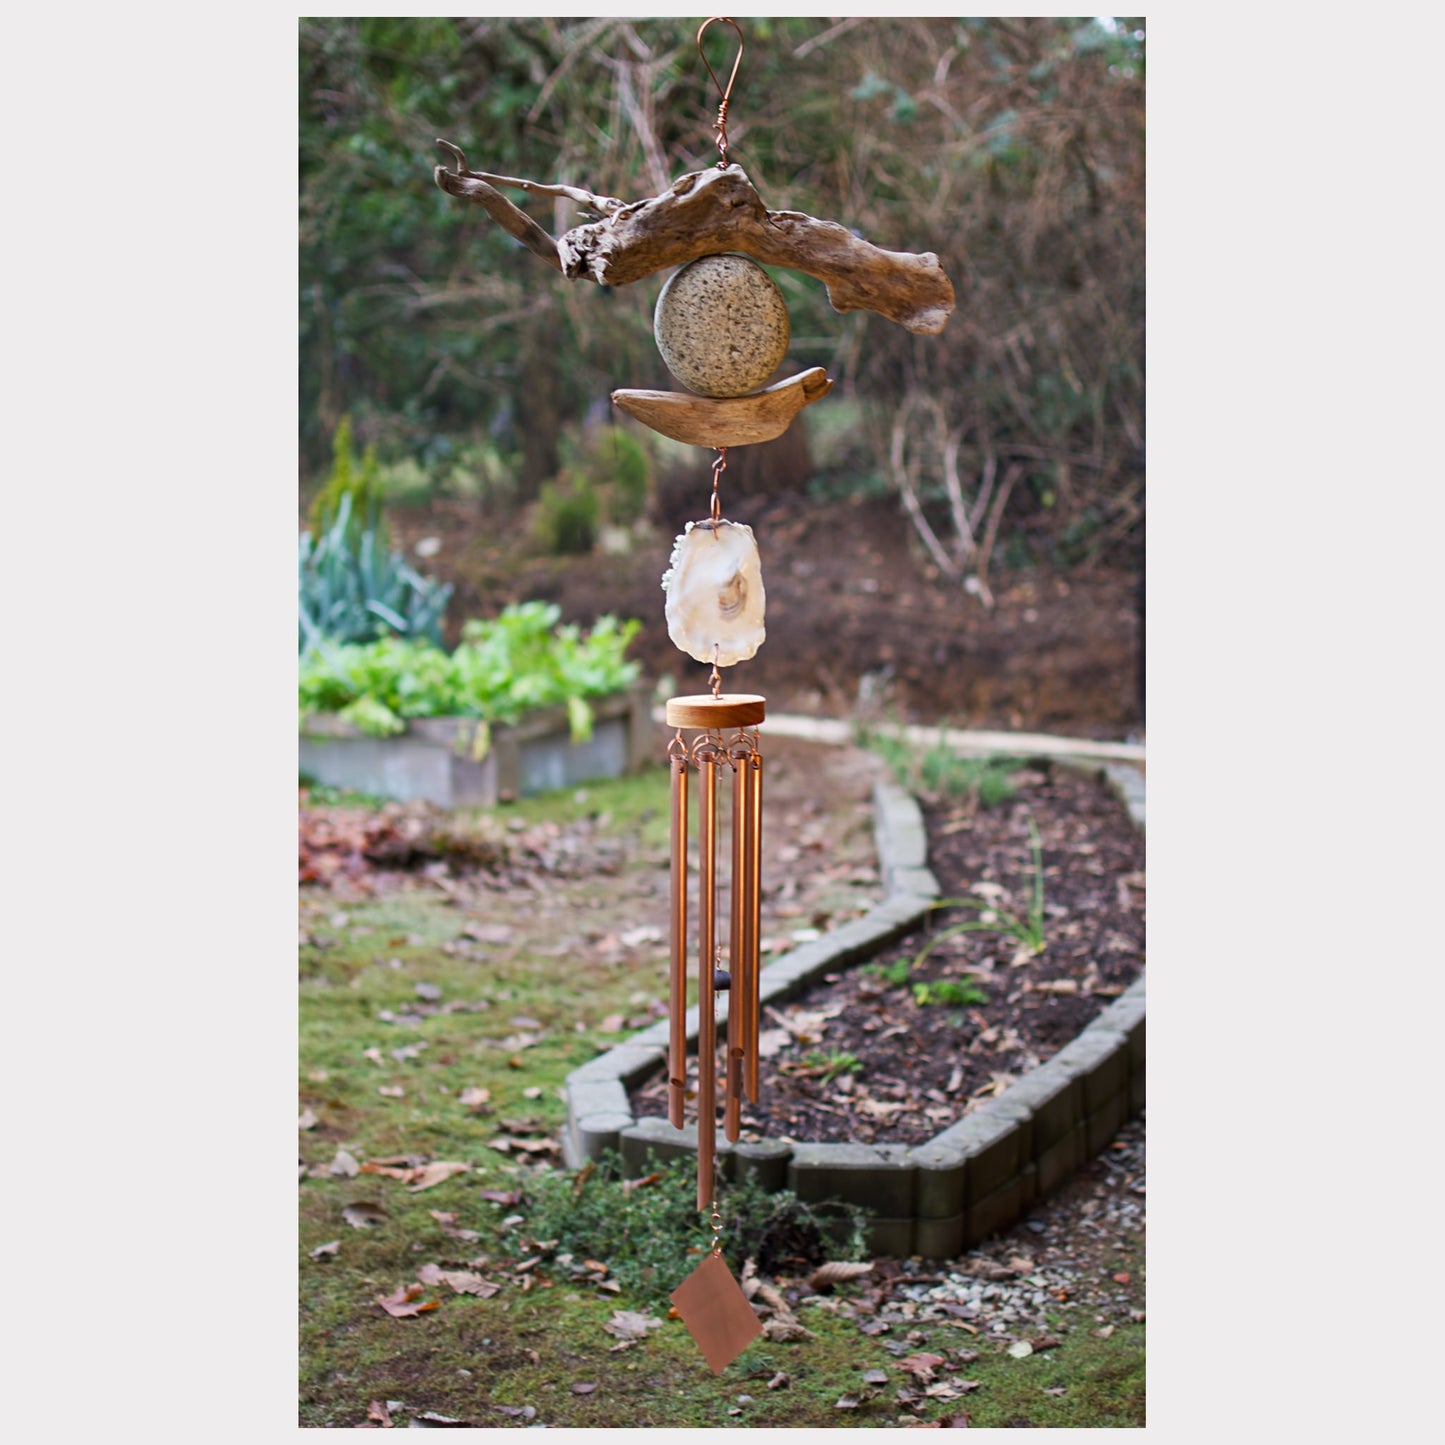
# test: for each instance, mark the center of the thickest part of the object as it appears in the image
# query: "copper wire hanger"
(721, 124)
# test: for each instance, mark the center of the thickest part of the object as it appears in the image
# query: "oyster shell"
(715, 599)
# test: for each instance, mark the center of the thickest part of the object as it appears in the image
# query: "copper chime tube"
(677, 969)
(752, 890)
(740, 990)
(712, 713)
(706, 998)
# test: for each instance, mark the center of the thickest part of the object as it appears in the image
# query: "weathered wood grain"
(706, 213)
(735, 421)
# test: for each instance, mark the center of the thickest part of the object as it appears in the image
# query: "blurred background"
(955, 534)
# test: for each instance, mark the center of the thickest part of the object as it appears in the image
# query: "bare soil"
(854, 607)
(860, 1057)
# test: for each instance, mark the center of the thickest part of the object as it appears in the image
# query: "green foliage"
(616, 465)
(404, 482)
(952, 991)
(1028, 930)
(895, 974)
(566, 516)
(838, 1061)
(1013, 148)
(643, 1232)
(505, 666)
(940, 770)
(352, 588)
(349, 480)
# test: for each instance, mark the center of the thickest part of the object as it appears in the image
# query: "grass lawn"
(437, 1024)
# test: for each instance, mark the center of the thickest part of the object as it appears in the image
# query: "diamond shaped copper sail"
(716, 1312)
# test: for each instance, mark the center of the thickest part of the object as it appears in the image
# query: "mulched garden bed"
(860, 1058)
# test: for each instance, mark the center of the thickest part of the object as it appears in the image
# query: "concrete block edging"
(974, 1178)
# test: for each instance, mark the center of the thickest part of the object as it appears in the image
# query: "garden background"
(1282, 353)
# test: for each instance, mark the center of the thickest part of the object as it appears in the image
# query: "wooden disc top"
(703, 710)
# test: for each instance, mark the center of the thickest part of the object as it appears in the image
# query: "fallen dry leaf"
(437, 1172)
(377, 1411)
(307, 1120)
(430, 1417)
(1122, 1277)
(344, 1166)
(407, 1301)
(780, 1381)
(392, 1092)
(363, 1213)
(875, 1377)
(501, 1196)
(1021, 1349)
(631, 1324)
(525, 1412)
(474, 1098)
(772, 1041)
(460, 1280)
(325, 1251)
(786, 1331)
(836, 1271)
(921, 1365)
(628, 1185)
(1104, 1333)
(391, 1171)
(583, 1387)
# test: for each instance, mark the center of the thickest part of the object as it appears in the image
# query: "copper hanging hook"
(721, 124)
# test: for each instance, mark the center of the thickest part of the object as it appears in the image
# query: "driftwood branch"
(471, 187)
(718, 210)
(735, 421)
(605, 204)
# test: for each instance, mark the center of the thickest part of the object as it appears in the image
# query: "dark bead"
(722, 980)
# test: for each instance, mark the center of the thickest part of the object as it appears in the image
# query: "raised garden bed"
(953, 1189)
(461, 762)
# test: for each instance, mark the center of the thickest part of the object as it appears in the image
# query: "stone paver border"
(937, 1199)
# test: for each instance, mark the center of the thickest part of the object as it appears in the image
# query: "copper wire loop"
(721, 124)
(718, 468)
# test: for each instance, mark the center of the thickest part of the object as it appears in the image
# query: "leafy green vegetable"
(505, 666)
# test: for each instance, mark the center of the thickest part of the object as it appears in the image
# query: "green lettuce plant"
(505, 666)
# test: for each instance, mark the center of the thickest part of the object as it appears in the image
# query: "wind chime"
(722, 329)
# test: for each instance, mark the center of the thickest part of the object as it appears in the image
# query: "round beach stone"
(721, 326)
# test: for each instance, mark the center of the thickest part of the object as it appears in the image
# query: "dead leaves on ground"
(407, 1301)
(355, 845)
(460, 1281)
(527, 1137)
(631, 1325)
(415, 1177)
(836, 1272)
